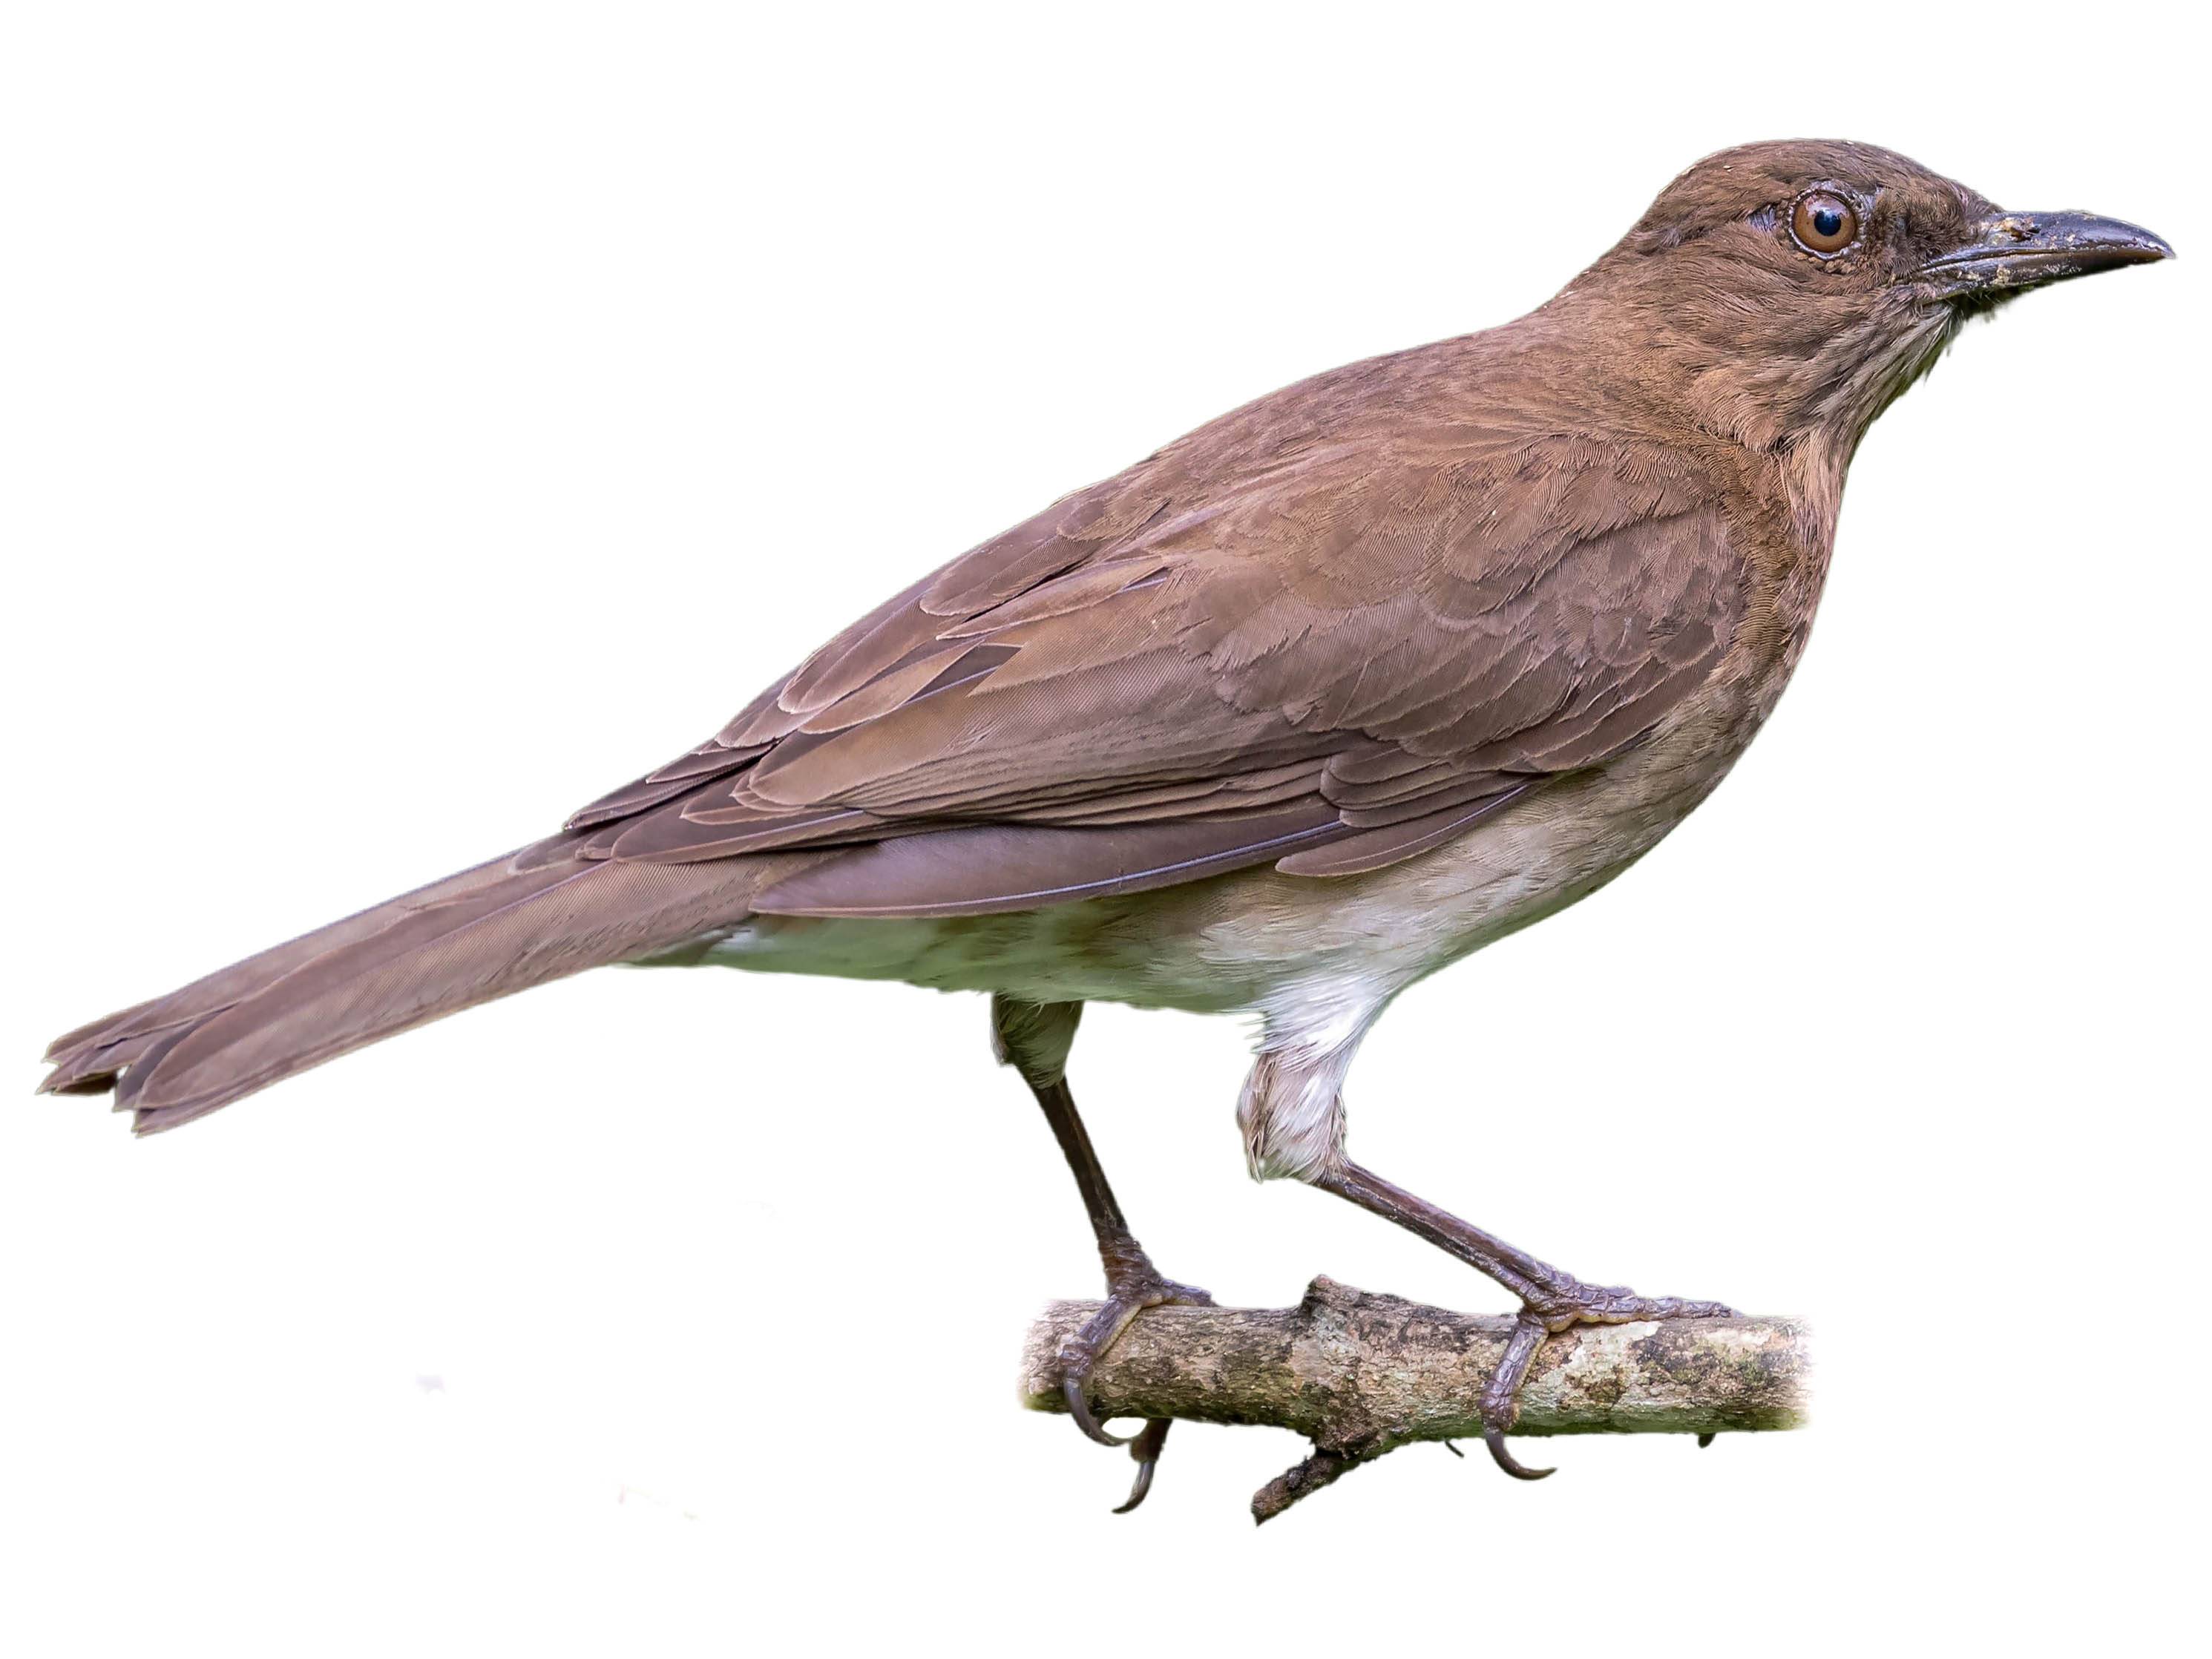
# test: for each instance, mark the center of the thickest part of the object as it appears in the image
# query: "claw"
(1071, 1390)
(1145, 1449)
(1495, 1439)
(1558, 1313)
(1126, 1297)
(1498, 1410)
(1144, 1484)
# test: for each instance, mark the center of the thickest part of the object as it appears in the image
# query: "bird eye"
(1824, 223)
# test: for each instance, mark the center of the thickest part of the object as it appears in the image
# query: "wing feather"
(1331, 632)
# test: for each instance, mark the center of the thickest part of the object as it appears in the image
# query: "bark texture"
(1360, 1375)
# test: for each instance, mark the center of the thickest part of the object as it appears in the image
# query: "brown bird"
(1317, 699)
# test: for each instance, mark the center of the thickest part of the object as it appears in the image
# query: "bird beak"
(2014, 251)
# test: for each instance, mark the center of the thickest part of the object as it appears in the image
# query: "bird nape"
(1318, 698)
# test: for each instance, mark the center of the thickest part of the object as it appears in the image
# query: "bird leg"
(1034, 1038)
(1133, 1284)
(1550, 1300)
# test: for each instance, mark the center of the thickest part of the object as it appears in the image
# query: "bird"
(1296, 711)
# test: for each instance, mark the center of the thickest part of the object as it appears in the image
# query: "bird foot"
(1133, 1284)
(1559, 1306)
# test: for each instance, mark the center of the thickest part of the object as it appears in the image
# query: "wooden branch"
(1360, 1375)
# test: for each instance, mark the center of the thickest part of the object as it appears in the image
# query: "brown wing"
(1329, 631)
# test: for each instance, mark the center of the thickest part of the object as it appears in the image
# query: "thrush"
(1311, 702)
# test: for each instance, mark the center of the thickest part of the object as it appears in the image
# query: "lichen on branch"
(1360, 1375)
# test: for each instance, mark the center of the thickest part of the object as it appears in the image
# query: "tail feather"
(514, 922)
(75, 1055)
(84, 1035)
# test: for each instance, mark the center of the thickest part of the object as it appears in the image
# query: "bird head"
(1792, 291)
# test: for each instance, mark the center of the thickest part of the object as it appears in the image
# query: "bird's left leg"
(1550, 1300)
(1034, 1038)
(1293, 1115)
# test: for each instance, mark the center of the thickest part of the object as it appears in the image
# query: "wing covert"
(1327, 655)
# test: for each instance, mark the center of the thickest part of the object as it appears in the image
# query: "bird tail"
(537, 914)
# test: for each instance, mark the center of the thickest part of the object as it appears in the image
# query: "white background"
(418, 419)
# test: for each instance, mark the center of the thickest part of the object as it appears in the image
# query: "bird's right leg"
(1034, 1038)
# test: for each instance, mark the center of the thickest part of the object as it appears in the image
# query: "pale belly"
(1257, 940)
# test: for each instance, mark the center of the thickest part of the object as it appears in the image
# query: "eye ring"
(1824, 222)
